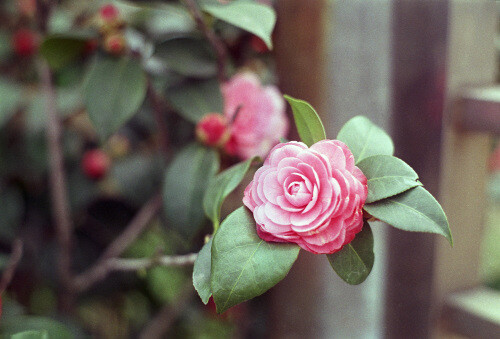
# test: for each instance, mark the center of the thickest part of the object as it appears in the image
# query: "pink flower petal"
(272, 188)
(276, 214)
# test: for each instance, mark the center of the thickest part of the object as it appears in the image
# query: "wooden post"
(299, 51)
(471, 62)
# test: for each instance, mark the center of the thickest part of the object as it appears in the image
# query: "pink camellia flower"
(313, 196)
(260, 119)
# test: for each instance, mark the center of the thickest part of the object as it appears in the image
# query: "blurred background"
(426, 71)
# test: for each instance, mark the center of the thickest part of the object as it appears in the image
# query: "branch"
(15, 258)
(119, 264)
(101, 269)
(159, 109)
(57, 181)
(160, 324)
(213, 39)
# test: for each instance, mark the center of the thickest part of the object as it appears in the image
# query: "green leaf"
(114, 90)
(414, 210)
(354, 262)
(387, 176)
(15, 324)
(190, 57)
(253, 17)
(186, 180)
(10, 100)
(308, 123)
(202, 272)
(31, 335)
(166, 283)
(195, 99)
(60, 50)
(365, 139)
(243, 265)
(219, 188)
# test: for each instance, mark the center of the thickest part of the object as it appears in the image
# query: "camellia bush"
(125, 128)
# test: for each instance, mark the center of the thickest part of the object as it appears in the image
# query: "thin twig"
(213, 39)
(57, 181)
(160, 324)
(15, 258)
(159, 109)
(101, 269)
(120, 264)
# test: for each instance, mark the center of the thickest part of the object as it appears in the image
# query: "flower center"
(294, 188)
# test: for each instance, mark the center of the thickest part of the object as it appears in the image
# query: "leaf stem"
(58, 187)
(213, 39)
(159, 109)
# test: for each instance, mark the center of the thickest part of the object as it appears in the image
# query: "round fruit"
(95, 164)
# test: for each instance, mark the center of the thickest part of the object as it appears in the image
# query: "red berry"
(25, 42)
(213, 130)
(109, 13)
(95, 164)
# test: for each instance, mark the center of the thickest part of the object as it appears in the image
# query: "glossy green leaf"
(191, 57)
(309, 125)
(31, 335)
(186, 180)
(202, 272)
(365, 139)
(195, 99)
(414, 210)
(60, 50)
(166, 283)
(166, 19)
(114, 90)
(219, 188)
(243, 265)
(387, 176)
(10, 100)
(354, 262)
(12, 325)
(253, 17)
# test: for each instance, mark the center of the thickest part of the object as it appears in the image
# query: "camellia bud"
(25, 42)
(115, 43)
(213, 130)
(109, 14)
(95, 164)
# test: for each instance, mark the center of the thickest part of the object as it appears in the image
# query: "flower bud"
(109, 14)
(95, 164)
(115, 43)
(25, 42)
(213, 130)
